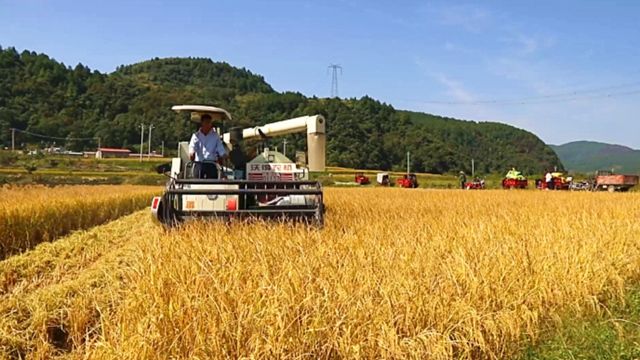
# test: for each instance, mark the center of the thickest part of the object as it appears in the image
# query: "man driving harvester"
(206, 148)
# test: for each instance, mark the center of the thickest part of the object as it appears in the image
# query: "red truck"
(606, 180)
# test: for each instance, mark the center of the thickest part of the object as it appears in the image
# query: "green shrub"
(8, 158)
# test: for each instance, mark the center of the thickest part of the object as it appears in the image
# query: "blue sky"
(566, 70)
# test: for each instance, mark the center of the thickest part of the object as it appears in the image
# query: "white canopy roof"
(201, 109)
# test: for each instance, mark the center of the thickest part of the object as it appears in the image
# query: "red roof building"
(112, 153)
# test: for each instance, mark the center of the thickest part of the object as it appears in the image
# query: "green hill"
(195, 72)
(492, 145)
(44, 96)
(588, 156)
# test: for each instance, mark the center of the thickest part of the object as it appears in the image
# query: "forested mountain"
(43, 96)
(589, 156)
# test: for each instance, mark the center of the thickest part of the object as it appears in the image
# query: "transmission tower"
(334, 78)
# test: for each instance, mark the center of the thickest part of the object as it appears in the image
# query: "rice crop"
(395, 273)
(34, 214)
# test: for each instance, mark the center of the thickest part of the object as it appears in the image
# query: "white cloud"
(528, 44)
(525, 61)
(455, 48)
(455, 89)
(470, 17)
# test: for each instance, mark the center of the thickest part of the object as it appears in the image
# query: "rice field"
(34, 214)
(395, 273)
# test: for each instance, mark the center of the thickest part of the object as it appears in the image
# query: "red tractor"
(409, 181)
(361, 179)
(476, 184)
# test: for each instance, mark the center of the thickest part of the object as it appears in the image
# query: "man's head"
(206, 121)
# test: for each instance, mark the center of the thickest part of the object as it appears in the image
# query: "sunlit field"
(395, 273)
(33, 214)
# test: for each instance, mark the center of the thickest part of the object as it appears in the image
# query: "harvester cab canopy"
(217, 114)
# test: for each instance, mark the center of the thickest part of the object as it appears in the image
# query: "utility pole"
(141, 139)
(284, 147)
(13, 139)
(150, 127)
(162, 148)
(408, 162)
(473, 168)
(334, 78)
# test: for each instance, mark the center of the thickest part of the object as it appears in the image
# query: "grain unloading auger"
(274, 186)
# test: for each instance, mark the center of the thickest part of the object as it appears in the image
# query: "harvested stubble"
(394, 274)
(34, 214)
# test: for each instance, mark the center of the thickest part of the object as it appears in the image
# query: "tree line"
(44, 96)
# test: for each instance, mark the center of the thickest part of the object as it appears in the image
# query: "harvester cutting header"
(269, 185)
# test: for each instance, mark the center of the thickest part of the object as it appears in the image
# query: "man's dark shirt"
(237, 158)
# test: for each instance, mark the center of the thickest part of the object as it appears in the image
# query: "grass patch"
(612, 334)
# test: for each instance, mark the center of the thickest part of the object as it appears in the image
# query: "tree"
(44, 96)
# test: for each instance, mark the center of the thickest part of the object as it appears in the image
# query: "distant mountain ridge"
(589, 156)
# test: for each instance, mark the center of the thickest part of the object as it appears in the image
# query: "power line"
(334, 78)
(551, 98)
(561, 99)
(54, 137)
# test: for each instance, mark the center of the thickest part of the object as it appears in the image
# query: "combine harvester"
(408, 181)
(560, 182)
(514, 180)
(475, 184)
(383, 179)
(361, 179)
(275, 187)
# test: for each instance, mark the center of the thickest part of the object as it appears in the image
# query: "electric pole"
(162, 148)
(150, 127)
(13, 139)
(334, 78)
(284, 147)
(408, 162)
(141, 139)
(473, 168)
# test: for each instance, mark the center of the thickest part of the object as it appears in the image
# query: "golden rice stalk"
(35, 214)
(395, 273)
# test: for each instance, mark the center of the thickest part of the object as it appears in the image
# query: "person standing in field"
(206, 149)
(549, 180)
(463, 180)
